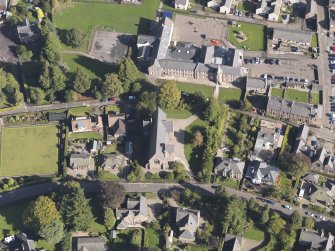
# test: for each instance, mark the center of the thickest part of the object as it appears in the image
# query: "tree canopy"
(112, 86)
(111, 194)
(53, 232)
(128, 73)
(169, 95)
(235, 216)
(81, 80)
(74, 37)
(275, 224)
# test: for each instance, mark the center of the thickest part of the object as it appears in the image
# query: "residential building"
(257, 85)
(301, 140)
(269, 8)
(329, 164)
(274, 12)
(311, 10)
(162, 142)
(262, 8)
(223, 6)
(323, 194)
(81, 161)
(19, 243)
(267, 142)
(312, 178)
(133, 214)
(81, 124)
(165, 38)
(232, 243)
(28, 32)
(96, 123)
(312, 240)
(91, 244)
(229, 168)
(187, 222)
(261, 172)
(129, 150)
(319, 158)
(110, 161)
(292, 37)
(55, 117)
(117, 125)
(95, 146)
(294, 111)
(181, 4)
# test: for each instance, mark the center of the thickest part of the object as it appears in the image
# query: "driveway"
(179, 128)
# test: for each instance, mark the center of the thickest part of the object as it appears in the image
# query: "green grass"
(315, 98)
(104, 175)
(254, 233)
(295, 95)
(231, 183)
(153, 238)
(85, 135)
(277, 92)
(285, 139)
(95, 68)
(254, 33)
(191, 88)
(178, 113)
(29, 150)
(80, 111)
(314, 40)
(124, 18)
(228, 95)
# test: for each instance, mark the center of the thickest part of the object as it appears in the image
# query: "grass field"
(315, 98)
(178, 113)
(123, 18)
(254, 233)
(254, 33)
(29, 150)
(227, 95)
(277, 92)
(295, 95)
(191, 88)
(314, 40)
(96, 68)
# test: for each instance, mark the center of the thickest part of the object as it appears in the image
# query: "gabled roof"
(312, 177)
(320, 155)
(109, 160)
(119, 128)
(91, 244)
(187, 235)
(288, 35)
(232, 243)
(256, 83)
(186, 216)
(303, 132)
(260, 170)
(229, 165)
(181, 2)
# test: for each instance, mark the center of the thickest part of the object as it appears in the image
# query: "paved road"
(204, 189)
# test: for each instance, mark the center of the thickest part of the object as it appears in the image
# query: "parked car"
(271, 202)
(9, 239)
(288, 207)
(132, 97)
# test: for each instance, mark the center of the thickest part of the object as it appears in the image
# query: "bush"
(66, 243)
(74, 38)
(316, 208)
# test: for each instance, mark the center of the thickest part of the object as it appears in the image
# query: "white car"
(288, 207)
(9, 239)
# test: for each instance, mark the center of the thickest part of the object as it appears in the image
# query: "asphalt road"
(204, 189)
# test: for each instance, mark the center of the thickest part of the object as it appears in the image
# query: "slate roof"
(91, 244)
(133, 205)
(300, 141)
(81, 160)
(260, 170)
(177, 64)
(165, 38)
(187, 220)
(312, 177)
(256, 83)
(296, 36)
(181, 2)
(119, 127)
(229, 165)
(56, 116)
(28, 32)
(108, 160)
(232, 243)
(320, 155)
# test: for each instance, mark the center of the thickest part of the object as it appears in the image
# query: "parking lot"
(286, 68)
(199, 30)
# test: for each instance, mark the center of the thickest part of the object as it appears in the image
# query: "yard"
(295, 95)
(125, 18)
(29, 150)
(255, 36)
(246, 6)
(277, 92)
(314, 98)
(191, 88)
(230, 96)
(178, 113)
(254, 233)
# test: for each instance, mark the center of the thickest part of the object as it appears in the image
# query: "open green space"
(254, 233)
(229, 95)
(178, 113)
(29, 150)
(295, 95)
(191, 88)
(314, 98)
(85, 135)
(315, 40)
(123, 18)
(277, 92)
(255, 36)
(95, 68)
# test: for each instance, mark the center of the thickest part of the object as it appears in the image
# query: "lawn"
(314, 98)
(178, 113)
(255, 36)
(153, 238)
(194, 155)
(85, 135)
(95, 68)
(315, 40)
(254, 233)
(29, 150)
(191, 88)
(229, 95)
(231, 183)
(295, 95)
(124, 18)
(277, 92)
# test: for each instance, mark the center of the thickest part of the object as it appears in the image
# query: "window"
(156, 161)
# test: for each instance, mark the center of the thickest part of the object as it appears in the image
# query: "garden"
(192, 88)
(230, 96)
(29, 150)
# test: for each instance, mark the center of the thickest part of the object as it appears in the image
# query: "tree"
(53, 232)
(247, 105)
(70, 96)
(136, 238)
(23, 53)
(45, 77)
(37, 95)
(296, 220)
(136, 87)
(299, 165)
(198, 139)
(112, 86)
(212, 111)
(275, 224)
(265, 215)
(179, 171)
(128, 73)
(286, 239)
(40, 213)
(137, 172)
(50, 51)
(74, 207)
(235, 216)
(81, 81)
(308, 223)
(169, 95)
(109, 218)
(58, 78)
(66, 243)
(147, 103)
(111, 194)
(74, 37)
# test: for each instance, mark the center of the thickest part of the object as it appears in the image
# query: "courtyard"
(29, 150)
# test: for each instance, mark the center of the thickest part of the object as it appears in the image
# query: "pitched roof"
(256, 83)
(133, 205)
(229, 165)
(187, 235)
(108, 160)
(181, 2)
(165, 38)
(312, 177)
(296, 36)
(119, 127)
(303, 132)
(91, 244)
(81, 160)
(232, 243)
(320, 155)
(186, 216)
(260, 170)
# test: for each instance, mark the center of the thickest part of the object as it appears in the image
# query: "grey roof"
(329, 163)
(256, 83)
(261, 4)
(137, 205)
(276, 7)
(80, 160)
(311, 9)
(108, 160)
(185, 52)
(209, 54)
(186, 216)
(56, 116)
(145, 40)
(232, 243)
(274, 102)
(229, 165)
(28, 32)
(303, 132)
(233, 71)
(159, 138)
(261, 170)
(226, 3)
(298, 144)
(301, 109)
(181, 2)
(296, 36)
(320, 155)
(119, 127)
(187, 235)
(91, 244)
(312, 177)
(177, 64)
(165, 38)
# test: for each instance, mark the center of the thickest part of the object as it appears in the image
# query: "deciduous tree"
(169, 95)
(265, 215)
(128, 73)
(81, 81)
(109, 218)
(308, 223)
(74, 37)
(111, 194)
(112, 86)
(198, 139)
(275, 224)
(53, 232)
(296, 220)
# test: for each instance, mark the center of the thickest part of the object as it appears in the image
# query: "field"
(277, 92)
(228, 95)
(254, 233)
(295, 95)
(123, 18)
(315, 98)
(254, 33)
(178, 113)
(191, 88)
(29, 150)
